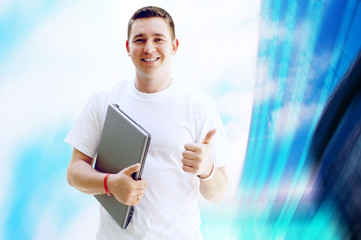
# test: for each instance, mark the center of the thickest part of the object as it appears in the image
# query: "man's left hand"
(196, 158)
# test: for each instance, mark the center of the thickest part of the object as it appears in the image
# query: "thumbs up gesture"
(196, 158)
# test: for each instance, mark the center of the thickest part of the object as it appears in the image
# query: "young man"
(188, 149)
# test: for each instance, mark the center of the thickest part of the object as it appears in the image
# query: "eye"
(139, 40)
(159, 40)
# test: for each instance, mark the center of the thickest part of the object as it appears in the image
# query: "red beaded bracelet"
(106, 185)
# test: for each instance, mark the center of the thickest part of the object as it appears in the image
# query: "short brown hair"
(151, 11)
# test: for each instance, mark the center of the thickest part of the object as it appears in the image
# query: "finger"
(131, 169)
(188, 169)
(187, 162)
(137, 199)
(140, 185)
(193, 164)
(140, 196)
(188, 154)
(134, 202)
(134, 196)
(207, 139)
(193, 147)
(195, 159)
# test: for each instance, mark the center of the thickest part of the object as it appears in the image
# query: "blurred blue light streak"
(305, 47)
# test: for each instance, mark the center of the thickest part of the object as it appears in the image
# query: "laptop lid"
(123, 143)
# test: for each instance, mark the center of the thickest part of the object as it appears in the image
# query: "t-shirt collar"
(149, 96)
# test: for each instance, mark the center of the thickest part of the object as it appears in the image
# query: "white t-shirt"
(173, 117)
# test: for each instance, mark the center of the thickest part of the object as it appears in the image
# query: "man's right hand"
(124, 188)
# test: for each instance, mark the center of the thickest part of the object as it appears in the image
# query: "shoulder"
(195, 96)
(106, 93)
(101, 98)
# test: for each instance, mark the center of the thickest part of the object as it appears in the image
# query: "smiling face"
(151, 48)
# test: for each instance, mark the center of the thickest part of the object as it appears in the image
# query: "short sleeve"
(208, 119)
(86, 132)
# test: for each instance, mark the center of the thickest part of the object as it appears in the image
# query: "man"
(188, 149)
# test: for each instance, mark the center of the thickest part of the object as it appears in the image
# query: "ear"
(128, 49)
(175, 45)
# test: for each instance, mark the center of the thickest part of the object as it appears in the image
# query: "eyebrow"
(142, 35)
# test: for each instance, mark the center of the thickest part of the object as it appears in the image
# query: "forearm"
(215, 188)
(82, 176)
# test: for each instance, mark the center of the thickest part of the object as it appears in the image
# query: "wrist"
(205, 177)
(106, 189)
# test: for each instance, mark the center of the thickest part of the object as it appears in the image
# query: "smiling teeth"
(150, 59)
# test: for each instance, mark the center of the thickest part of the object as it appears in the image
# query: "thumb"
(131, 169)
(207, 139)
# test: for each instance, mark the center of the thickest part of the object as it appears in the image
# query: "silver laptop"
(123, 143)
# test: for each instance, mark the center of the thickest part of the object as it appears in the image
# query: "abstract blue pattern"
(305, 47)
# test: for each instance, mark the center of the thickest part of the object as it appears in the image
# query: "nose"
(149, 47)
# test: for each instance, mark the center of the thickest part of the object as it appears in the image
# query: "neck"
(152, 85)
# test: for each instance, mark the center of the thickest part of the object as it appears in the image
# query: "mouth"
(150, 59)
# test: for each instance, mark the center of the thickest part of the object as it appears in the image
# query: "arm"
(196, 159)
(215, 188)
(82, 176)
